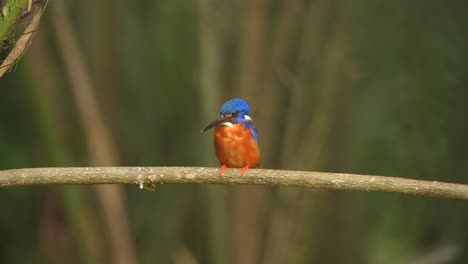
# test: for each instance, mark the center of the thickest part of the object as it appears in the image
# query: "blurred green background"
(366, 86)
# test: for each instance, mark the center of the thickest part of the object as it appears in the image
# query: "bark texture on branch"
(201, 175)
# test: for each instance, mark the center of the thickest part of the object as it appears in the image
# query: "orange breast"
(236, 147)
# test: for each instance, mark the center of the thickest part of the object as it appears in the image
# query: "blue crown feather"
(235, 105)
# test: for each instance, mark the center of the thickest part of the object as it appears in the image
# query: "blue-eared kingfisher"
(235, 137)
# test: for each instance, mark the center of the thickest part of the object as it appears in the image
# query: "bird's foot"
(244, 169)
(221, 170)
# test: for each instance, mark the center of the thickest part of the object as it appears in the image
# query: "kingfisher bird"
(235, 137)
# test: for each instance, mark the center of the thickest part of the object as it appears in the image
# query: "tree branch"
(201, 175)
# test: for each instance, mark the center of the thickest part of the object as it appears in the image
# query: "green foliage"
(10, 12)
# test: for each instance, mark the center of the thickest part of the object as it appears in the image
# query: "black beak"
(220, 119)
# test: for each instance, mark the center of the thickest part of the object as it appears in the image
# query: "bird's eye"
(231, 115)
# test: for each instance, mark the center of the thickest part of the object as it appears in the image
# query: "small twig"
(155, 175)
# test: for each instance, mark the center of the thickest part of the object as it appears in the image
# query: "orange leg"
(244, 169)
(221, 170)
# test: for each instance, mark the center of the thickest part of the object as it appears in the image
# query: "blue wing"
(253, 130)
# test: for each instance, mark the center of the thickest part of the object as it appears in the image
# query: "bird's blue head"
(232, 112)
(235, 108)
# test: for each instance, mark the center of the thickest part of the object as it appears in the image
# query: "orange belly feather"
(235, 146)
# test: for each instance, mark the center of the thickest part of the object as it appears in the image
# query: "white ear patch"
(247, 117)
(228, 124)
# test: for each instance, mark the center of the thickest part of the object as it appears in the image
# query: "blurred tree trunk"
(47, 102)
(211, 39)
(100, 143)
(248, 205)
